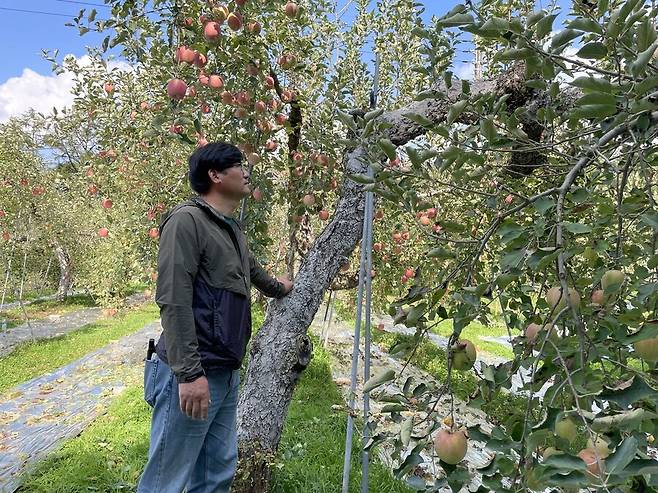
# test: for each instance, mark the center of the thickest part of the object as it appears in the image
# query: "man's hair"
(215, 155)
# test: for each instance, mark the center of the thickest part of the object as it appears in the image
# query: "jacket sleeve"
(263, 281)
(178, 263)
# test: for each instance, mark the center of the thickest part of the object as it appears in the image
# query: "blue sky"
(25, 34)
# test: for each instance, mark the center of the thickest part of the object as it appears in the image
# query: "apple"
(205, 108)
(404, 279)
(227, 97)
(377, 247)
(260, 107)
(599, 297)
(3, 214)
(107, 203)
(221, 13)
(509, 199)
(594, 466)
(647, 349)
(176, 88)
(200, 60)
(281, 119)
(409, 272)
(243, 98)
(612, 278)
(191, 91)
(176, 129)
(600, 444)
(431, 213)
(212, 31)
(252, 69)
(557, 302)
(425, 221)
(323, 215)
(92, 189)
(240, 113)
(271, 145)
(154, 232)
(287, 95)
(566, 428)
(257, 194)
(451, 446)
(534, 329)
(215, 81)
(379, 214)
(308, 200)
(380, 327)
(201, 141)
(253, 158)
(548, 451)
(103, 232)
(254, 27)
(463, 355)
(269, 82)
(234, 21)
(291, 9)
(185, 54)
(108, 87)
(6, 236)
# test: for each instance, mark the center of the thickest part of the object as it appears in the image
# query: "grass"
(41, 309)
(30, 360)
(110, 454)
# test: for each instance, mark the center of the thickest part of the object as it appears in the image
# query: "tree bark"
(65, 273)
(279, 351)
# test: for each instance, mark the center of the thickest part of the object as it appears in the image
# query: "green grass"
(432, 359)
(110, 454)
(30, 360)
(474, 333)
(41, 309)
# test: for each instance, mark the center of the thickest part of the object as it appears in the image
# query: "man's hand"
(194, 398)
(287, 283)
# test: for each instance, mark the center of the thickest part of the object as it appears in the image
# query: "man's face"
(234, 181)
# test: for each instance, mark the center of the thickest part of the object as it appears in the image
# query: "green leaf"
(456, 110)
(624, 396)
(377, 380)
(419, 119)
(457, 20)
(596, 98)
(389, 148)
(405, 430)
(371, 115)
(583, 24)
(488, 129)
(563, 37)
(494, 26)
(576, 228)
(362, 178)
(513, 54)
(622, 456)
(534, 18)
(393, 408)
(626, 419)
(592, 84)
(544, 204)
(593, 111)
(650, 219)
(643, 58)
(565, 462)
(440, 252)
(347, 120)
(545, 25)
(594, 50)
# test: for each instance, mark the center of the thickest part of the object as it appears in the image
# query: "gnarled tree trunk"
(279, 349)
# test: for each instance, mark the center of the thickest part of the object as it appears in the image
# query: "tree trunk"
(66, 273)
(279, 351)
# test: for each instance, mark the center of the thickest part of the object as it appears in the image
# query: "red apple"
(291, 9)
(269, 82)
(200, 60)
(212, 31)
(254, 27)
(308, 200)
(323, 215)
(257, 194)
(92, 189)
(103, 232)
(108, 87)
(227, 97)
(234, 21)
(107, 203)
(176, 89)
(185, 54)
(281, 119)
(271, 145)
(216, 82)
(154, 233)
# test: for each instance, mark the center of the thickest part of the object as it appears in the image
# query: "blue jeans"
(200, 456)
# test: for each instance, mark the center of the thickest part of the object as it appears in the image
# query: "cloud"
(465, 70)
(41, 93)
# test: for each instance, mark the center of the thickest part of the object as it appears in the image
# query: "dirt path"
(35, 417)
(55, 325)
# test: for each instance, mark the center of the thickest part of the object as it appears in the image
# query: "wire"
(36, 12)
(85, 3)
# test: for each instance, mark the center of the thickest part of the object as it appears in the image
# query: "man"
(205, 273)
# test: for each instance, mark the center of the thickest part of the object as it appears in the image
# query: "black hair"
(215, 155)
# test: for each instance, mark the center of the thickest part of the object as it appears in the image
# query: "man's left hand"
(287, 283)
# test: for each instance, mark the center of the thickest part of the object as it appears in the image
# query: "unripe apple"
(566, 428)
(557, 302)
(600, 444)
(647, 349)
(451, 447)
(463, 355)
(548, 451)
(103, 232)
(612, 278)
(308, 200)
(107, 203)
(323, 215)
(533, 330)
(212, 31)
(234, 21)
(176, 89)
(599, 297)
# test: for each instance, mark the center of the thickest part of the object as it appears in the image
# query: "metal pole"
(331, 314)
(355, 358)
(365, 459)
